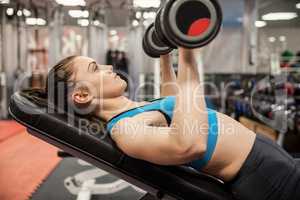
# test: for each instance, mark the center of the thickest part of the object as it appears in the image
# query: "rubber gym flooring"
(53, 187)
(31, 169)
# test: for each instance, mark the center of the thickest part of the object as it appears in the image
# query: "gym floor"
(19, 153)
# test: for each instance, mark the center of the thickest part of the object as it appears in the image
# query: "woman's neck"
(109, 108)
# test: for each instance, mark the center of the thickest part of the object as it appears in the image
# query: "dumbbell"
(152, 45)
(184, 23)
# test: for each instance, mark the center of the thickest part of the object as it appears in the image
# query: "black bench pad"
(98, 149)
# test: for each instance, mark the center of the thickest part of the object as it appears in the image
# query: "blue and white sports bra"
(166, 106)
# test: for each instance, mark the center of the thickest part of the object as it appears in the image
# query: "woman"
(178, 129)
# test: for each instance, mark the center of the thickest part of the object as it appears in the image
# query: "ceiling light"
(138, 15)
(282, 38)
(279, 16)
(272, 39)
(10, 11)
(40, 21)
(79, 13)
(26, 12)
(260, 24)
(19, 13)
(96, 23)
(149, 15)
(135, 23)
(83, 22)
(71, 2)
(4, 1)
(146, 3)
(298, 5)
(35, 21)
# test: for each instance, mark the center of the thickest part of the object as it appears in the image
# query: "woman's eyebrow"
(91, 64)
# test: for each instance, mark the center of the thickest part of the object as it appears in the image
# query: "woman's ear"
(82, 97)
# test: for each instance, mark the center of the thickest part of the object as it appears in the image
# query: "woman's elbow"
(189, 152)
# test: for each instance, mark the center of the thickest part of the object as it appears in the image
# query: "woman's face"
(100, 79)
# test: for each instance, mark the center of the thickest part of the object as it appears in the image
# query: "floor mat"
(9, 128)
(70, 167)
(24, 163)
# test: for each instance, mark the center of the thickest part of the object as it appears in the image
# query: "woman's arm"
(179, 143)
(168, 76)
(153, 144)
(190, 119)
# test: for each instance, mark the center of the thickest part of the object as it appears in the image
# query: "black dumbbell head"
(159, 30)
(191, 23)
(148, 51)
(152, 44)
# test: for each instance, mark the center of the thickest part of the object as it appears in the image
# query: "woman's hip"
(269, 172)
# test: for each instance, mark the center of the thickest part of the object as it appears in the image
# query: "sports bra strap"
(163, 105)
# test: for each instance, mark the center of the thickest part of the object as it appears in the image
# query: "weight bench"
(160, 182)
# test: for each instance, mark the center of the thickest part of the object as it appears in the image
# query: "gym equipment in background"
(186, 23)
(161, 182)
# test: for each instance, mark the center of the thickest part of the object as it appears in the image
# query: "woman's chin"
(124, 84)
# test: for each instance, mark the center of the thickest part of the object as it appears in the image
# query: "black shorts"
(269, 172)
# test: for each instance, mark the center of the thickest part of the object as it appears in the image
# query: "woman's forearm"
(190, 116)
(168, 76)
(187, 67)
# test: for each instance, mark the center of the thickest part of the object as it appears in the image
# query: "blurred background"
(252, 69)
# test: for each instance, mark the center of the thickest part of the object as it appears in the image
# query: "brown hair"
(59, 83)
(58, 87)
(55, 95)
